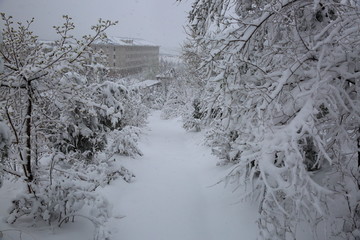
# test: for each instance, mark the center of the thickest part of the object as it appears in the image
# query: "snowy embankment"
(172, 198)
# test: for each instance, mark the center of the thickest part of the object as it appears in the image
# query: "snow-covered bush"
(63, 199)
(175, 102)
(125, 141)
(192, 116)
(63, 193)
(153, 98)
(102, 108)
(135, 111)
(282, 93)
(223, 142)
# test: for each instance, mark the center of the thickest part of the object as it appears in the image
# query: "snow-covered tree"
(184, 88)
(282, 94)
(32, 95)
(195, 81)
(57, 110)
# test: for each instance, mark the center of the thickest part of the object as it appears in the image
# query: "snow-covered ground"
(172, 198)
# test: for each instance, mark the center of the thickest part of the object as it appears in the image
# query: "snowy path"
(171, 198)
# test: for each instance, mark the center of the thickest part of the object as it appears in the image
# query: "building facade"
(127, 56)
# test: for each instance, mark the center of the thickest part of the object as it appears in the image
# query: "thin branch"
(11, 172)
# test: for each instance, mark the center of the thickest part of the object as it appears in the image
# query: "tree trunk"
(358, 145)
(28, 168)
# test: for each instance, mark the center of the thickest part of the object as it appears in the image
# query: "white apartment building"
(128, 55)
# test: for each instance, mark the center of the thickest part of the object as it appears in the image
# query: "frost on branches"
(282, 96)
(56, 113)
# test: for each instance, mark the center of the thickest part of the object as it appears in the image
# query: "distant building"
(127, 56)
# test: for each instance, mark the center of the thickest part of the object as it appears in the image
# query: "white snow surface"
(174, 196)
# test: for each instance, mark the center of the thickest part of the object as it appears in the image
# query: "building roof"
(122, 41)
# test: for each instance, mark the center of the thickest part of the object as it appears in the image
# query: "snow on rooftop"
(125, 41)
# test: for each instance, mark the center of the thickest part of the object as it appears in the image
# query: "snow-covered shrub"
(125, 141)
(153, 99)
(191, 124)
(135, 111)
(192, 116)
(223, 143)
(95, 110)
(65, 198)
(66, 191)
(102, 110)
(174, 103)
(109, 100)
(83, 133)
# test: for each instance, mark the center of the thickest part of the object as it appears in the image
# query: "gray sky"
(158, 21)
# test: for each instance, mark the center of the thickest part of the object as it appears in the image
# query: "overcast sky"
(159, 21)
